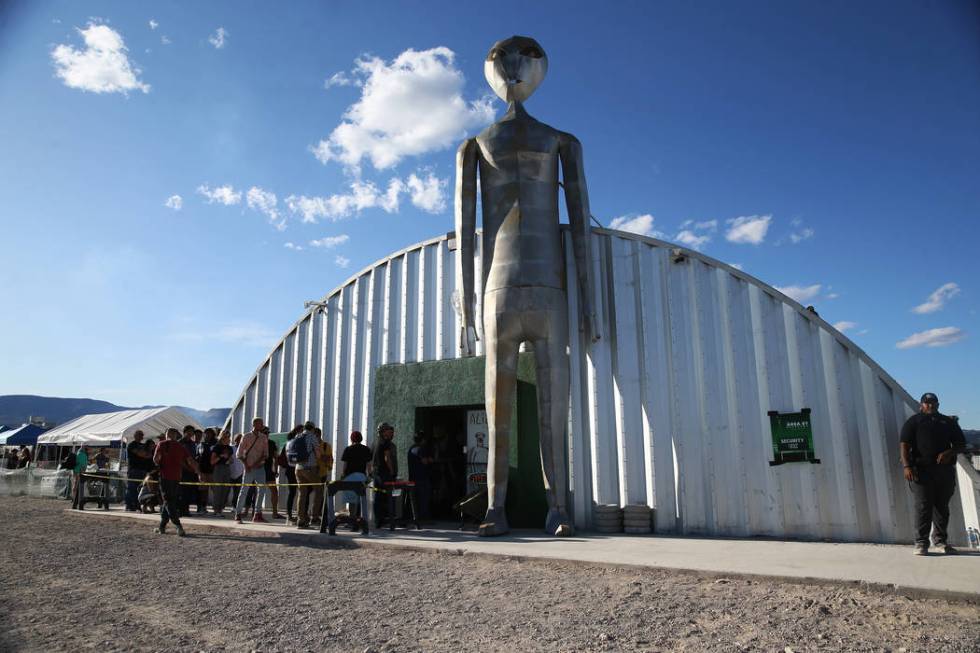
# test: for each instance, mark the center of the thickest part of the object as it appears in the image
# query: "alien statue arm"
(579, 216)
(466, 239)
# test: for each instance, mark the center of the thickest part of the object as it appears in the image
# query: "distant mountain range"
(15, 410)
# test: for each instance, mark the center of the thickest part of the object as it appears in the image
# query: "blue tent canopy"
(26, 434)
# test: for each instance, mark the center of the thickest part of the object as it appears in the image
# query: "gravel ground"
(74, 583)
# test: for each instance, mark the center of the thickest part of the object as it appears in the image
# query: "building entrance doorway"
(447, 451)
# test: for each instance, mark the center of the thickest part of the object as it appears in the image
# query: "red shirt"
(172, 457)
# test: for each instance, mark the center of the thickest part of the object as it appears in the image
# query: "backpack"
(297, 451)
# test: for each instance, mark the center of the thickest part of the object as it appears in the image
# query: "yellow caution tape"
(211, 484)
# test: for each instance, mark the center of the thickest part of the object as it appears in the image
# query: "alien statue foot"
(495, 523)
(558, 524)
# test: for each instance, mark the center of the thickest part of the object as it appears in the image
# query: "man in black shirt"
(929, 444)
(139, 458)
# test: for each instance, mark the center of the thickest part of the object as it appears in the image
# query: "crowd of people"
(212, 472)
(14, 458)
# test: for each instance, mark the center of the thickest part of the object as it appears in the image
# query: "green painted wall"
(400, 389)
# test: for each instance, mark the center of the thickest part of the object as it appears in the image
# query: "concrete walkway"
(888, 567)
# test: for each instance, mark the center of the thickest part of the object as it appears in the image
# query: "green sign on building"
(792, 437)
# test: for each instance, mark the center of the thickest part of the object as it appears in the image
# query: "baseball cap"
(929, 398)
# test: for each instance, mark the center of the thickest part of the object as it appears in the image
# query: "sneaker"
(921, 550)
(946, 549)
(259, 519)
(276, 515)
(315, 520)
(238, 518)
(159, 530)
(180, 532)
(304, 524)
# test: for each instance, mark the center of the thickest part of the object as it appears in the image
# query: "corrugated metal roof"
(668, 409)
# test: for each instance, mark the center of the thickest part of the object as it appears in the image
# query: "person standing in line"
(301, 452)
(221, 460)
(253, 451)
(357, 460)
(139, 459)
(385, 465)
(271, 469)
(928, 445)
(78, 480)
(237, 469)
(172, 458)
(324, 458)
(188, 493)
(24, 459)
(203, 457)
(420, 459)
(287, 471)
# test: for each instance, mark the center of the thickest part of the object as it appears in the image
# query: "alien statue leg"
(551, 358)
(502, 339)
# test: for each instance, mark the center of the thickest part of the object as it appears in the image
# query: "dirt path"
(75, 583)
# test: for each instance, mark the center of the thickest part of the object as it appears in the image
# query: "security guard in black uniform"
(929, 444)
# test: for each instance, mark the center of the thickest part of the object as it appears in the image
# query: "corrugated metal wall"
(669, 408)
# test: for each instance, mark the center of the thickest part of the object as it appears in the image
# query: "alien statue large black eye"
(533, 52)
(496, 53)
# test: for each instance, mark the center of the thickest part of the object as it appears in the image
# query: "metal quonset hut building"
(669, 408)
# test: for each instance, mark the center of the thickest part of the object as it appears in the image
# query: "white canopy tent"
(105, 429)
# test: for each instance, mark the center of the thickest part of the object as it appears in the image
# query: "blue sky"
(832, 149)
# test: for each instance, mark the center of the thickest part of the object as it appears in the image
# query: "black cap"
(929, 398)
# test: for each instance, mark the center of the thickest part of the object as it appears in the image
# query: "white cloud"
(101, 67)
(640, 224)
(748, 229)
(218, 38)
(175, 202)
(932, 338)
(165, 40)
(341, 79)
(799, 236)
(226, 195)
(341, 261)
(802, 294)
(330, 242)
(938, 298)
(844, 325)
(154, 24)
(363, 195)
(265, 202)
(293, 246)
(691, 239)
(245, 333)
(707, 225)
(427, 194)
(410, 106)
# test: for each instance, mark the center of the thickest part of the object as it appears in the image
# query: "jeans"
(219, 493)
(78, 497)
(135, 477)
(932, 491)
(348, 496)
(170, 509)
(256, 475)
(291, 496)
(306, 476)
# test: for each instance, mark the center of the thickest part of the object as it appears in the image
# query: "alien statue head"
(514, 68)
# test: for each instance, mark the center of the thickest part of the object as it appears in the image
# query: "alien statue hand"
(464, 340)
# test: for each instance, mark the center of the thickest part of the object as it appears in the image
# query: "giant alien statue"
(524, 296)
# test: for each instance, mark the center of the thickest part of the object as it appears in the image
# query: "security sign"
(792, 437)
